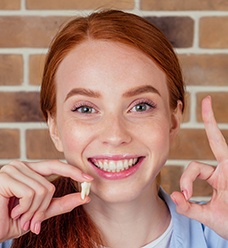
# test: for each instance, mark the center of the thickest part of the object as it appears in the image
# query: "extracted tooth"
(85, 189)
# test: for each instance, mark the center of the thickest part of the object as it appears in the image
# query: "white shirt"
(164, 240)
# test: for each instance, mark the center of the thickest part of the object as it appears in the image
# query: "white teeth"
(105, 166)
(130, 162)
(112, 166)
(119, 166)
(85, 189)
(125, 164)
(100, 164)
(115, 166)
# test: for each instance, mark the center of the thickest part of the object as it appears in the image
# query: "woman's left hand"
(213, 214)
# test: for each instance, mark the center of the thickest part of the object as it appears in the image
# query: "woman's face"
(113, 118)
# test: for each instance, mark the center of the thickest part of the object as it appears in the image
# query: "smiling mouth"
(114, 166)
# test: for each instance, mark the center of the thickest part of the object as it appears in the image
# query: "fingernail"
(37, 228)
(15, 216)
(26, 226)
(86, 200)
(86, 176)
(14, 213)
(174, 200)
(185, 193)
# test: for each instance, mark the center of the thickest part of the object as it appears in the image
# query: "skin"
(119, 131)
(114, 129)
(214, 213)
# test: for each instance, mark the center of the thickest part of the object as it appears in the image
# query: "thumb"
(189, 209)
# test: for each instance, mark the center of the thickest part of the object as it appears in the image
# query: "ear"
(176, 119)
(53, 130)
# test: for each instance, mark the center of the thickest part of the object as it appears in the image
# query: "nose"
(115, 131)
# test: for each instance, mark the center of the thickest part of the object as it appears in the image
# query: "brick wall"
(197, 29)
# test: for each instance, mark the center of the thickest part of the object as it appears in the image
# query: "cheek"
(74, 140)
(158, 138)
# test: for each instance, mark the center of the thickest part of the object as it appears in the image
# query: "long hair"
(76, 229)
(71, 230)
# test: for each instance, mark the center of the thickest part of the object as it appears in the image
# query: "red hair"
(76, 229)
(115, 26)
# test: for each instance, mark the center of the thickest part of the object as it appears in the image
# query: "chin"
(118, 193)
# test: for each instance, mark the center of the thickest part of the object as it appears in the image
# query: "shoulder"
(188, 232)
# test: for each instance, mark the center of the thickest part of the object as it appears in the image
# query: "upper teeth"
(115, 166)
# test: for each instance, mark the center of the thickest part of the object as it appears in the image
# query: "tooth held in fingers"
(85, 189)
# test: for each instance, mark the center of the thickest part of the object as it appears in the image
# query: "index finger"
(56, 167)
(216, 140)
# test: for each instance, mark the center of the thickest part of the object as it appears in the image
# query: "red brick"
(183, 5)
(170, 181)
(40, 146)
(10, 5)
(220, 103)
(205, 69)
(186, 114)
(179, 30)
(202, 188)
(36, 65)
(20, 107)
(72, 4)
(192, 144)
(28, 31)
(213, 32)
(11, 69)
(9, 144)
(170, 178)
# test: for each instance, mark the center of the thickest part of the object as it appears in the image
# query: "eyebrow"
(83, 92)
(140, 90)
(132, 92)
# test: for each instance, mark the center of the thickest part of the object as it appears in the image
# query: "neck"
(130, 224)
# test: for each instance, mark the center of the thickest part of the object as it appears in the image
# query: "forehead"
(97, 61)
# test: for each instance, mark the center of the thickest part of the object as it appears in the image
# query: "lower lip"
(118, 175)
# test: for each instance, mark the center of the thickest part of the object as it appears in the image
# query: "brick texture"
(205, 69)
(179, 30)
(210, 29)
(220, 103)
(202, 188)
(174, 5)
(192, 144)
(72, 4)
(40, 146)
(10, 5)
(11, 69)
(170, 177)
(20, 107)
(36, 65)
(9, 144)
(186, 114)
(28, 31)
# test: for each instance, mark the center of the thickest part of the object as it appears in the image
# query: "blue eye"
(143, 107)
(84, 109)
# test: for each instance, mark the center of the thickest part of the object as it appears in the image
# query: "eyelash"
(149, 104)
(79, 106)
(92, 109)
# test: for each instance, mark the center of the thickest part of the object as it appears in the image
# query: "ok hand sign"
(214, 214)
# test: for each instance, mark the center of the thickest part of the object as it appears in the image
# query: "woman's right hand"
(26, 195)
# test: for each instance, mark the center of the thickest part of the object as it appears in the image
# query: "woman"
(113, 97)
